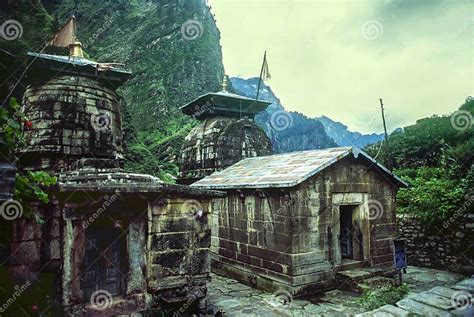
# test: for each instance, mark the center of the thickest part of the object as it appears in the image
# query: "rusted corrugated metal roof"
(282, 170)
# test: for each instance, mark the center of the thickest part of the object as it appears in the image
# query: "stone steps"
(456, 300)
(356, 280)
(347, 264)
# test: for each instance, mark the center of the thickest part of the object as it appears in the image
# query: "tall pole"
(261, 74)
(389, 161)
(21, 77)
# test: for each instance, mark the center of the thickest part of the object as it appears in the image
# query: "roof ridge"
(303, 151)
(283, 170)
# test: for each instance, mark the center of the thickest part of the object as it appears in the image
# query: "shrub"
(386, 295)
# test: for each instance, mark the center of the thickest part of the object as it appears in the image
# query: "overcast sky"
(336, 57)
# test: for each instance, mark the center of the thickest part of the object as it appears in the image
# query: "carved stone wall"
(37, 245)
(219, 142)
(289, 237)
(72, 118)
(178, 248)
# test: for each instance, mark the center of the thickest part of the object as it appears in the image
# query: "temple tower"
(74, 113)
(130, 239)
(225, 135)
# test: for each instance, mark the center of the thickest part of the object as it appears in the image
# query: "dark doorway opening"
(346, 236)
(104, 261)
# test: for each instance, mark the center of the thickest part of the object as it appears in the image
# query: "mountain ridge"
(337, 131)
(288, 131)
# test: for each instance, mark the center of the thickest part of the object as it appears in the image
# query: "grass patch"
(374, 298)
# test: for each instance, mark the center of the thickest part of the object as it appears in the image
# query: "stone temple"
(297, 221)
(294, 222)
(226, 134)
(129, 238)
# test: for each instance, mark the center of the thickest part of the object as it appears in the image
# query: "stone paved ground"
(236, 299)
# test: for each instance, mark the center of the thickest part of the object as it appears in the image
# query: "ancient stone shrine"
(226, 134)
(293, 221)
(115, 242)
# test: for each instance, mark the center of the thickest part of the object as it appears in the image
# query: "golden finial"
(75, 50)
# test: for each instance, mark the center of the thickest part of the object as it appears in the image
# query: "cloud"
(322, 62)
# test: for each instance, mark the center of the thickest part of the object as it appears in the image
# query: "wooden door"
(104, 262)
(346, 234)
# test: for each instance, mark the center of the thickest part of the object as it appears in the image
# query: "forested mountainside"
(436, 155)
(341, 134)
(289, 131)
(172, 48)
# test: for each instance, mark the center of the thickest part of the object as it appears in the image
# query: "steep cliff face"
(344, 137)
(289, 131)
(172, 48)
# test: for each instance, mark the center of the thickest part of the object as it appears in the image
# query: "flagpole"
(21, 77)
(261, 74)
(34, 59)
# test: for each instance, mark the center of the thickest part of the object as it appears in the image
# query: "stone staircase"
(456, 300)
(357, 279)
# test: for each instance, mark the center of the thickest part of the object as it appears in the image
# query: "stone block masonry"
(72, 118)
(295, 238)
(447, 246)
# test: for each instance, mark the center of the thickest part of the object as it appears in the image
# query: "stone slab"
(442, 291)
(466, 285)
(394, 310)
(355, 274)
(420, 308)
(431, 299)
